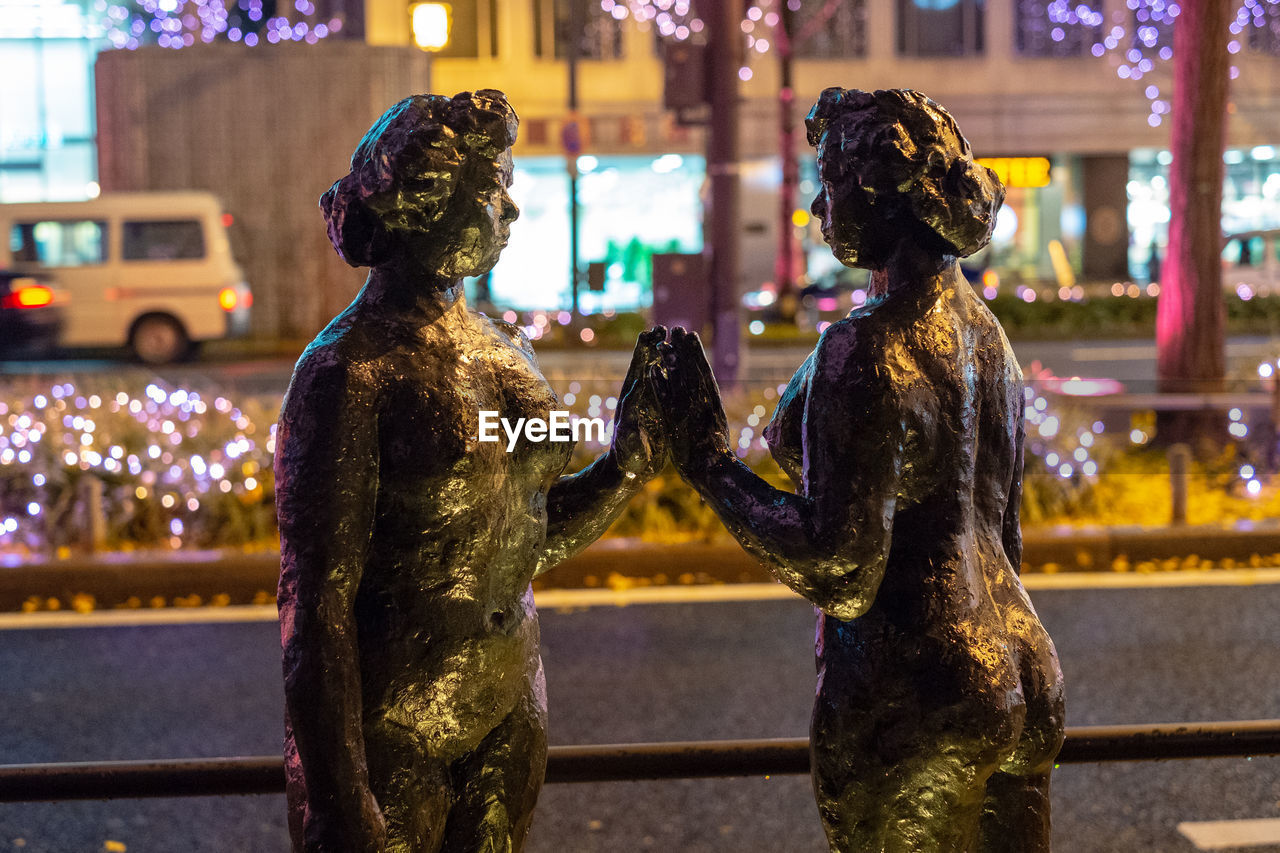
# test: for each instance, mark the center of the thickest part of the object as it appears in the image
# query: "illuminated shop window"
(630, 206)
(1250, 196)
(941, 27)
(46, 85)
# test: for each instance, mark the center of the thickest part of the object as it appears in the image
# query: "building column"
(1106, 204)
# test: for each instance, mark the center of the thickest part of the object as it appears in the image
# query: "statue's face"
(480, 216)
(844, 212)
(476, 224)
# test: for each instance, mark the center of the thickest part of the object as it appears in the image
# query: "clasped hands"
(670, 404)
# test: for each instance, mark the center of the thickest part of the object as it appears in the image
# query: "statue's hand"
(697, 429)
(639, 439)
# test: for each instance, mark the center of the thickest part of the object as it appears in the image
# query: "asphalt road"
(646, 673)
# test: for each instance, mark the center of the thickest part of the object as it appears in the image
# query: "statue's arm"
(831, 544)
(326, 484)
(785, 432)
(581, 506)
(1012, 528)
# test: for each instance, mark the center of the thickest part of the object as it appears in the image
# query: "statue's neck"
(911, 271)
(411, 292)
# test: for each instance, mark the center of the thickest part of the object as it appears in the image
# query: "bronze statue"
(415, 701)
(939, 707)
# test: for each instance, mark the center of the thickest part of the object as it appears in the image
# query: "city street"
(1130, 361)
(682, 671)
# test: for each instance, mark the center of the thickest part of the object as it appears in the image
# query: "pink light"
(1078, 386)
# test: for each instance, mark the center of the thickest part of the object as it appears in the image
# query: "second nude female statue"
(939, 706)
(415, 703)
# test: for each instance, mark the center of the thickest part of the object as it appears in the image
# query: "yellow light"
(1027, 172)
(431, 22)
(800, 218)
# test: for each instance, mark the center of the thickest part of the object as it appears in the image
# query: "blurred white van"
(151, 271)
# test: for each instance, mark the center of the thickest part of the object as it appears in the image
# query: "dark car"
(30, 314)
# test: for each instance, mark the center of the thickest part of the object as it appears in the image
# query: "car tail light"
(28, 296)
(228, 299)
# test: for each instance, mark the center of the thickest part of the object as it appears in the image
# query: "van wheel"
(158, 339)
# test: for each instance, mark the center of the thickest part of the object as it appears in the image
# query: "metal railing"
(611, 763)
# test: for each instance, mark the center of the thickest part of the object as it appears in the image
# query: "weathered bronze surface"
(415, 702)
(939, 705)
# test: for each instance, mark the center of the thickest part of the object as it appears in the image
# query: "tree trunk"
(1190, 316)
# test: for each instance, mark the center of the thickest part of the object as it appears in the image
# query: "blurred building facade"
(1027, 93)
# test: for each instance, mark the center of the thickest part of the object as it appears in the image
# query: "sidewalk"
(193, 578)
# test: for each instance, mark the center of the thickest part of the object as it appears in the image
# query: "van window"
(59, 243)
(173, 240)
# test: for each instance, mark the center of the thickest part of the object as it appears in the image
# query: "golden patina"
(939, 706)
(414, 692)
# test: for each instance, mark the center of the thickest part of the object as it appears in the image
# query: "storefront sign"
(1024, 172)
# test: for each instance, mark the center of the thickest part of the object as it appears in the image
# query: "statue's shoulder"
(336, 365)
(856, 340)
(509, 331)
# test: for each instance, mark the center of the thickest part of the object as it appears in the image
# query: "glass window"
(177, 240)
(940, 27)
(599, 38)
(464, 30)
(631, 207)
(59, 244)
(1054, 28)
(831, 29)
(1245, 251)
(473, 31)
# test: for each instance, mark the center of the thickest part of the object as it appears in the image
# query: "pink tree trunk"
(1191, 314)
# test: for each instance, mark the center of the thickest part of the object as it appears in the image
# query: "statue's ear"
(959, 183)
(355, 231)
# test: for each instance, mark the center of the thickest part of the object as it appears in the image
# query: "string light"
(1140, 37)
(49, 441)
(181, 23)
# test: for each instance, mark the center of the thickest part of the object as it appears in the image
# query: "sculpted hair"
(907, 154)
(418, 146)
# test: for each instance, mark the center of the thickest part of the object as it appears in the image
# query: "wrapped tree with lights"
(1198, 38)
(1191, 315)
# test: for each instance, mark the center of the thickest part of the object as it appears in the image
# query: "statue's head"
(893, 166)
(429, 179)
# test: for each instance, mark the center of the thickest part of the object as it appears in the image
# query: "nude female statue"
(939, 706)
(415, 702)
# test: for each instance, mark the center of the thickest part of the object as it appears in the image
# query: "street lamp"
(431, 23)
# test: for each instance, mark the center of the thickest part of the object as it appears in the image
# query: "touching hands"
(689, 400)
(639, 439)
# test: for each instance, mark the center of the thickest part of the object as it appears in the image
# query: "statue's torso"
(950, 625)
(447, 629)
